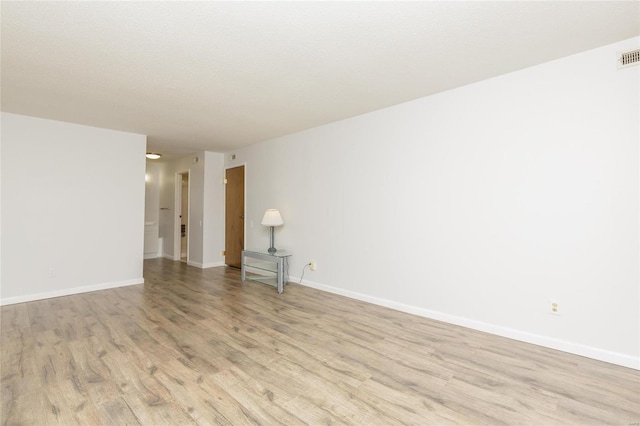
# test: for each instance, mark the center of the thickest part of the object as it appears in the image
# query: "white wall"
(206, 214)
(477, 205)
(213, 204)
(151, 209)
(152, 192)
(72, 208)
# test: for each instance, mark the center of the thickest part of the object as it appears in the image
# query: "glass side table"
(272, 263)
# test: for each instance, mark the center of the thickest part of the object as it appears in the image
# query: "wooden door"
(234, 216)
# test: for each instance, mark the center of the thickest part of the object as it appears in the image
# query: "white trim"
(536, 339)
(69, 291)
(189, 213)
(205, 265)
(177, 235)
(150, 256)
(167, 256)
(177, 211)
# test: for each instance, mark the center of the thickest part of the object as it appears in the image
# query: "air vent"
(627, 59)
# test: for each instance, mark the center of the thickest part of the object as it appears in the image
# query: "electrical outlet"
(312, 265)
(554, 307)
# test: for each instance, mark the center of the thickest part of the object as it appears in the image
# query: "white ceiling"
(220, 75)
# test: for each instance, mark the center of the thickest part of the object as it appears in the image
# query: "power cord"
(286, 267)
(302, 276)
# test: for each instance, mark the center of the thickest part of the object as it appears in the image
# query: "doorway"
(234, 215)
(181, 239)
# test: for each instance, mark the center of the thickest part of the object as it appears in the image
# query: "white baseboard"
(150, 255)
(205, 265)
(536, 339)
(69, 291)
(196, 264)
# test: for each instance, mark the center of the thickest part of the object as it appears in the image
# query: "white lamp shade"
(272, 218)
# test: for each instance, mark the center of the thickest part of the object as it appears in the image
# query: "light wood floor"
(198, 346)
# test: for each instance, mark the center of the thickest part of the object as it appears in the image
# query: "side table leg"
(280, 275)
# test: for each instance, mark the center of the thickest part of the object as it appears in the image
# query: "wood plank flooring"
(195, 346)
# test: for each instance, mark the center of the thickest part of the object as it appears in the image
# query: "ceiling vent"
(627, 59)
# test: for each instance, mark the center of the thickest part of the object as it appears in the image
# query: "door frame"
(177, 246)
(244, 230)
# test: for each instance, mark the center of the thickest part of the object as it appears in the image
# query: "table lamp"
(272, 219)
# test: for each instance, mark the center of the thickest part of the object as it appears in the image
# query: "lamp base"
(272, 249)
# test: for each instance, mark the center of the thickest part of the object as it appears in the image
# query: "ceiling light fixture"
(153, 155)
